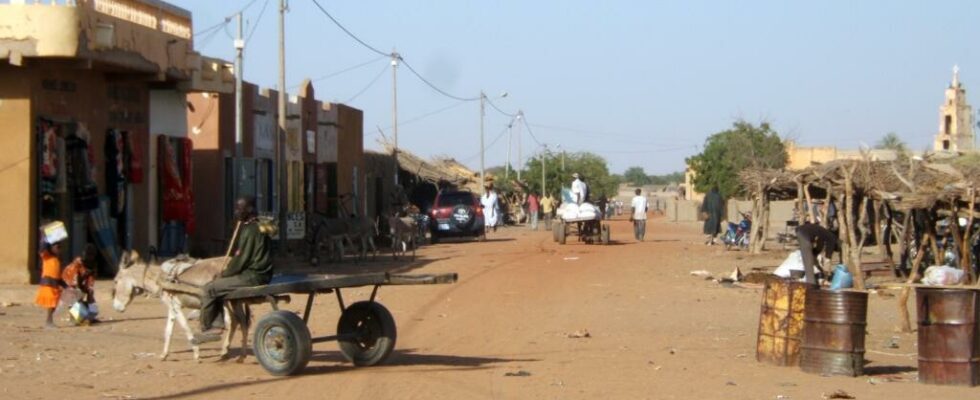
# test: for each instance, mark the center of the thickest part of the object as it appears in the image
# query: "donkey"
(137, 275)
(364, 230)
(403, 231)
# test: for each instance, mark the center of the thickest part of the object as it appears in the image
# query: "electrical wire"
(430, 113)
(345, 70)
(434, 87)
(347, 31)
(369, 85)
(530, 131)
(255, 27)
(494, 106)
(227, 19)
(488, 147)
(390, 55)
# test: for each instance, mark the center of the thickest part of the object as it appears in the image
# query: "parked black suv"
(457, 214)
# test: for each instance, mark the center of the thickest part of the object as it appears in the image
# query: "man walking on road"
(547, 208)
(639, 216)
(532, 210)
(250, 265)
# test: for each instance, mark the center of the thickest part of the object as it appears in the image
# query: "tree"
(636, 176)
(891, 141)
(726, 153)
(591, 167)
(668, 179)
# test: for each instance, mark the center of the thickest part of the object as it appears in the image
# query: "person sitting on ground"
(49, 291)
(813, 239)
(250, 265)
(80, 275)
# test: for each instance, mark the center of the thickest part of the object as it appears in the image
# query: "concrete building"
(324, 159)
(87, 88)
(956, 121)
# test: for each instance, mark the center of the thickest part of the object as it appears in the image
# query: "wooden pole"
(231, 245)
(903, 298)
(811, 214)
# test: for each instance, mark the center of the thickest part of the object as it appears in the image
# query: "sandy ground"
(656, 333)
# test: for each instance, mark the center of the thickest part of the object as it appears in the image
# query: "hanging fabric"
(134, 159)
(187, 169)
(85, 191)
(115, 179)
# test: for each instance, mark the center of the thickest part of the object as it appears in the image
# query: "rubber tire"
(554, 232)
(298, 346)
(383, 325)
(562, 233)
(604, 234)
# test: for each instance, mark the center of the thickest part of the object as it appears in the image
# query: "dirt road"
(655, 332)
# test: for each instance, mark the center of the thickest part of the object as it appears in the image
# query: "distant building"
(955, 119)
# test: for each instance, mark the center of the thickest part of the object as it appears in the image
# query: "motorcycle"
(738, 234)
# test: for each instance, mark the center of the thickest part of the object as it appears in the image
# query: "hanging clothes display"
(187, 169)
(115, 178)
(84, 189)
(134, 159)
(175, 174)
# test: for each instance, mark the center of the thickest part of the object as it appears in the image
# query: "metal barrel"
(833, 332)
(781, 322)
(948, 339)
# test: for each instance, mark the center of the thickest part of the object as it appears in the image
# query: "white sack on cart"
(569, 211)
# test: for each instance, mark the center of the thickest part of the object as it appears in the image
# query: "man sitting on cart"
(250, 265)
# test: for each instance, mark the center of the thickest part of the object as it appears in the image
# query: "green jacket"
(251, 258)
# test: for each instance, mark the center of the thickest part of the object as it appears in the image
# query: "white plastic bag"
(793, 262)
(78, 312)
(942, 275)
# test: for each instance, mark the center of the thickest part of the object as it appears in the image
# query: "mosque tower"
(955, 119)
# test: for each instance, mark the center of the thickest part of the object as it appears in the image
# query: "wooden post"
(826, 209)
(903, 298)
(811, 214)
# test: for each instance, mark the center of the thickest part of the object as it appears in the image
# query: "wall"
(350, 153)
(16, 208)
(168, 117)
(206, 118)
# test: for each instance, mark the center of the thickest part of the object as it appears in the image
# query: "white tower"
(955, 119)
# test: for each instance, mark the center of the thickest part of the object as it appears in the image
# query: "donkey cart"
(588, 230)
(366, 330)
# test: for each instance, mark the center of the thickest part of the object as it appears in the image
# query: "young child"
(80, 275)
(49, 291)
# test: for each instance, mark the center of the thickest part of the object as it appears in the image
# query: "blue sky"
(640, 82)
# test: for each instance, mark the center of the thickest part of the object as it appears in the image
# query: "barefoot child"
(49, 291)
(80, 275)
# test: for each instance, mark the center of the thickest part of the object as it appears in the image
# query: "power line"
(386, 54)
(345, 70)
(494, 106)
(348, 32)
(430, 113)
(492, 142)
(255, 27)
(225, 21)
(530, 131)
(369, 85)
(434, 87)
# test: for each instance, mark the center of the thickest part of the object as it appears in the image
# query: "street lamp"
(483, 113)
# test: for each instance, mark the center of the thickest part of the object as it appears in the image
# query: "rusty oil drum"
(834, 326)
(949, 352)
(781, 322)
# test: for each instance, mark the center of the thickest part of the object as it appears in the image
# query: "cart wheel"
(373, 331)
(282, 343)
(554, 232)
(604, 236)
(562, 233)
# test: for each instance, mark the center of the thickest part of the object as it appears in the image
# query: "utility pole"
(544, 171)
(483, 171)
(520, 150)
(510, 141)
(281, 137)
(239, 50)
(394, 108)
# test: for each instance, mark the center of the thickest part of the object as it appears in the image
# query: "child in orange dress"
(49, 291)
